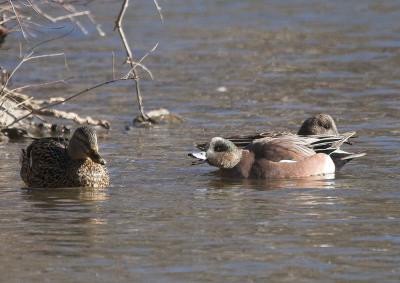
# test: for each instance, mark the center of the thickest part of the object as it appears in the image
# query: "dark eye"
(220, 147)
(324, 124)
(327, 126)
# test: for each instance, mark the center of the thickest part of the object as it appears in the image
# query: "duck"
(290, 156)
(319, 124)
(55, 162)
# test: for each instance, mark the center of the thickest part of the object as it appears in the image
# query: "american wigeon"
(320, 124)
(288, 156)
(59, 162)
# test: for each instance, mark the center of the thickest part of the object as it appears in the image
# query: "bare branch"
(18, 19)
(113, 65)
(118, 26)
(26, 58)
(13, 10)
(158, 7)
(36, 85)
(18, 104)
(142, 59)
(131, 71)
(39, 110)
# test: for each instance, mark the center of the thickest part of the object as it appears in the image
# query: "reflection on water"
(163, 220)
(316, 182)
(51, 197)
(73, 214)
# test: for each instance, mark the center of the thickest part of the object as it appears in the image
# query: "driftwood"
(14, 106)
(158, 116)
(154, 117)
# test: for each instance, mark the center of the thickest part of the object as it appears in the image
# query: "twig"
(14, 10)
(113, 65)
(36, 85)
(131, 71)
(19, 21)
(26, 58)
(141, 60)
(38, 110)
(159, 11)
(51, 39)
(118, 26)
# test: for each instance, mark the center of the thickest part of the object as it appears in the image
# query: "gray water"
(163, 220)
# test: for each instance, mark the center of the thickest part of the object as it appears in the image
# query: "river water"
(163, 220)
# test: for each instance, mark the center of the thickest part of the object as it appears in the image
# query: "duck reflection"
(51, 198)
(66, 220)
(312, 182)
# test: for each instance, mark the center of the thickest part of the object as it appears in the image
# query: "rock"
(158, 116)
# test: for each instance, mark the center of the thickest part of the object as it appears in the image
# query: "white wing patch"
(329, 167)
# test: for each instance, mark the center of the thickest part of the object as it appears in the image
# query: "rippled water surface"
(163, 220)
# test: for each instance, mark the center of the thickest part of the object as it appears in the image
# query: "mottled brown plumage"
(59, 162)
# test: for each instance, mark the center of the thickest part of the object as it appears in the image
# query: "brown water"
(163, 220)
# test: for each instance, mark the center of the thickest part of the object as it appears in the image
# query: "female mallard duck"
(59, 162)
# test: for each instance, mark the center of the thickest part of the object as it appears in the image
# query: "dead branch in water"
(118, 26)
(28, 106)
(27, 15)
(158, 7)
(26, 58)
(129, 54)
(21, 106)
(18, 14)
(61, 114)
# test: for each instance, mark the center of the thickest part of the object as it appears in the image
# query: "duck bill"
(96, 157)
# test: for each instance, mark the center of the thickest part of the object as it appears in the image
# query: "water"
(163, 220)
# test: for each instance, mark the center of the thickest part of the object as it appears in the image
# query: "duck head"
(83, 145)
(320, 124)
(223, 153)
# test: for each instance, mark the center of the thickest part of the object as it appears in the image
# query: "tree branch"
(118, 26)
(38, 111)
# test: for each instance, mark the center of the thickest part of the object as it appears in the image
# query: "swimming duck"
(59, 162)
(289, 156)
(320, 124)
